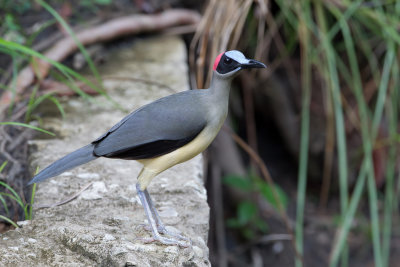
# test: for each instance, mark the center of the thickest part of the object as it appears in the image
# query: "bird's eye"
(227, 60)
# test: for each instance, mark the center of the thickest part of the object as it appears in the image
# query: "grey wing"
(155, 129)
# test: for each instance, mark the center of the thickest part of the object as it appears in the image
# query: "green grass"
(73, 35)
(13, 195)
(335, 41)
(34, 102)
(304, 20)
(27, 126)
(12, 48)
(390, 200)
(19, 51)
(344, 57)
(22, 53)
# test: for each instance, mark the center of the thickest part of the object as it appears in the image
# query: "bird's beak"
(251, 63)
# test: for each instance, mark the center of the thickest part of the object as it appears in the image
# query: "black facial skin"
(226, 64)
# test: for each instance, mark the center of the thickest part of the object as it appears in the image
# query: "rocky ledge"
(104, 224)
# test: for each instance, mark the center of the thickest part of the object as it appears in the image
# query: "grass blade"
(36, 102)
(57, 103)
(340, 243)
(29, 217)
(9, 221)
(389, 207)
(3, 165)
(27, 126)
(11, 190)
(304, 36)
(72, 34)
(334, 85)
(15, 198)
(13, 82)
(68, 72)
(366, 137)
(31, 103)
(3, 201)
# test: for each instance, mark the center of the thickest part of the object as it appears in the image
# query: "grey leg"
(160, 226)
(152, 221)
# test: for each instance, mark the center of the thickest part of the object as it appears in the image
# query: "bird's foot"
(163, 230)
(148, 228)
(166, 241)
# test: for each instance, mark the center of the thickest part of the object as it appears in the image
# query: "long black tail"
(76, 158)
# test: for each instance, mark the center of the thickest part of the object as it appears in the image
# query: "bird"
(163, 133)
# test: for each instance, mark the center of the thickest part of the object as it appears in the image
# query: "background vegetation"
(317, 181)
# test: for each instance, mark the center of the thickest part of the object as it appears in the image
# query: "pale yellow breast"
(154, 166)
(188, 151)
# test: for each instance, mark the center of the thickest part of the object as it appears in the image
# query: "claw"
(166, 241)
(164, 231)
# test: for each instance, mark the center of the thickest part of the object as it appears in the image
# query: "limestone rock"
(103, 226)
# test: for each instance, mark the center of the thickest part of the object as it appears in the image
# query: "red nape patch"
(217, 61)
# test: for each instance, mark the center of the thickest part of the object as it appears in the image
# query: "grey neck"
(220, 86)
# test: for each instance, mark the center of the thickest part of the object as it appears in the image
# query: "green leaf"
(103, 2)
(246, 212)
(10, 23)
(261, 225)
(267, 193)
(233, 223)
(238, 182)
(248, 233)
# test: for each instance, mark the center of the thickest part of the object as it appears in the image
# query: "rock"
(104, 225)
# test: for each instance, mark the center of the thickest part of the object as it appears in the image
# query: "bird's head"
(231, 62)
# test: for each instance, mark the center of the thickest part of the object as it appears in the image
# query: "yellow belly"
(154, 166)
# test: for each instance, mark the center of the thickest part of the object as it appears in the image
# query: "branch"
(110, 30)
